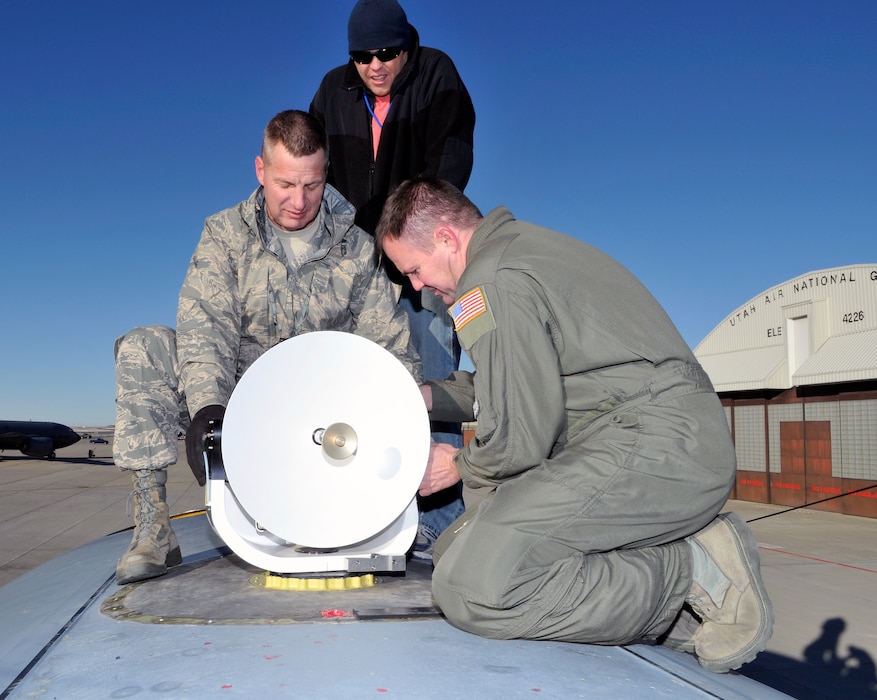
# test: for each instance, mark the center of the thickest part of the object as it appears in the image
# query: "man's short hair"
(300, 133)
(417, 207)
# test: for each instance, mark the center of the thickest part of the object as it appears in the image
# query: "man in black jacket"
(395, 111)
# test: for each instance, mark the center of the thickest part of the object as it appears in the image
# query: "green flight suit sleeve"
(453, 399)
(518, 390)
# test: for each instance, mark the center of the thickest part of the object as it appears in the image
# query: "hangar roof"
(842, 358)
(745, 369)
(818, 328)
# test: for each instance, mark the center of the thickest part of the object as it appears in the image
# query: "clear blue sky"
(714, 148)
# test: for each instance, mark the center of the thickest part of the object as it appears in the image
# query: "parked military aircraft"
(34, 438)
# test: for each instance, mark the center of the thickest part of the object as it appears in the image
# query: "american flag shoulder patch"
(469, 306)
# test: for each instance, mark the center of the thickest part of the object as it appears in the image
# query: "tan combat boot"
(154, 546)
(680, 636)
(728, 594)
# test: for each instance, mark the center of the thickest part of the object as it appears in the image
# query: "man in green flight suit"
(604, 443)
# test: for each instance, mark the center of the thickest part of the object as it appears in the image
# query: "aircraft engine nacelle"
(37, 446)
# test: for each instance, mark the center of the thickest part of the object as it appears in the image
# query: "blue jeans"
(432, 331)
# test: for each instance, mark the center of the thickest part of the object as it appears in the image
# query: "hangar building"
(796, 370)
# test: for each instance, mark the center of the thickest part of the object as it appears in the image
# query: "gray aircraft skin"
(36, 438)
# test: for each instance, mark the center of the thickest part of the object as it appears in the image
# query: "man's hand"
(195, 439)
(441, 471)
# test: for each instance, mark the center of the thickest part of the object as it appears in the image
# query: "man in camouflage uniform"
(286, 261)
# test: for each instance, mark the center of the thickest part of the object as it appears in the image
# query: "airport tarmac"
(820, 568)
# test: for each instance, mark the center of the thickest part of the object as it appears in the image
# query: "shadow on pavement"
(824, 672)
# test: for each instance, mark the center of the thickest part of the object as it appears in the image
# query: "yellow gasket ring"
(291, 583)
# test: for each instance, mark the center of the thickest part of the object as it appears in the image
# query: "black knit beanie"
(378, 24)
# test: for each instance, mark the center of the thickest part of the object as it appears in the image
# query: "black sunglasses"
(383, 55)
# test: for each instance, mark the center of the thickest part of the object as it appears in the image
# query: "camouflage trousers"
(150, 410)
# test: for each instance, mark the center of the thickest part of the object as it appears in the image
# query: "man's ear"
(446, 237)
(260, 170)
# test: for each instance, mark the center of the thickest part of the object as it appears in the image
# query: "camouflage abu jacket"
(240, 298)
